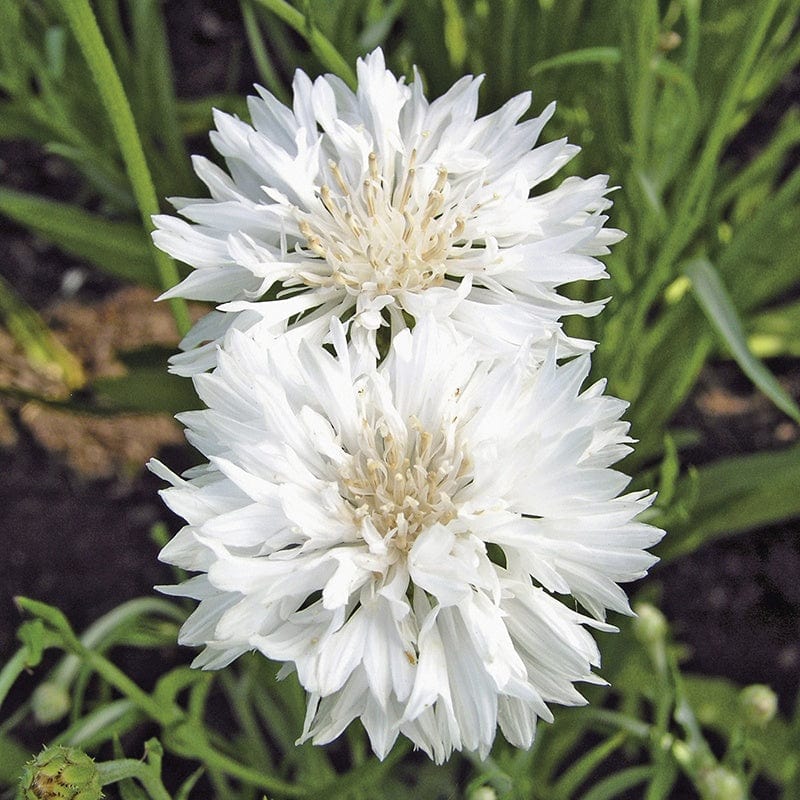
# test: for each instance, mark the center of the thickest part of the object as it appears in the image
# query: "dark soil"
(84, 545)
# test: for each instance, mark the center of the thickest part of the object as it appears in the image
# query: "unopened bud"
(60, 773)
(719, 783)
(50, 702)
(649, 625)
(759, 704)
(483, 793)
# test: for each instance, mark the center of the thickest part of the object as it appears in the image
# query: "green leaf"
(111, 719)
(715, 302)
(736, 495)
(580, 771)
(618, 783)
(53, 616)
(146, 390)
(776, 332)
(323, 49)
(43, 350)
(577, 58)
(118, 248)
(84, 27)
(186, 787)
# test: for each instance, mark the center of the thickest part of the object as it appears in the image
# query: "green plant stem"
(214, 759)
(322, 48)
(114, 771)
(168, 715)
(259, 52)
(12, 669)
(84, 27)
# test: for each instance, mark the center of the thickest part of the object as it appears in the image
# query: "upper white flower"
(380, 205)
(398, 535)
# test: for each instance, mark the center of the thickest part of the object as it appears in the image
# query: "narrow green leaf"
(776, 332)
(119, 770)
(53, 616)
(118, 248)
(12, 669)
(111, 719)
(455, 34)
(736, 495)
(618, 783)
(43, 350)
(186, 787)
(715, 302)
(577, 58)
(579, 772)
(322, 48)
(146, 390)
(84, 27)
(266, 69)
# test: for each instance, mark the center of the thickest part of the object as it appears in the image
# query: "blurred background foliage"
(658, 94)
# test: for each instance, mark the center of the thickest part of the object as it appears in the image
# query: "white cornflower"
(378, 206)
(397, 536)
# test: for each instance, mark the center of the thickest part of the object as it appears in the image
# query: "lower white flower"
(396, 535)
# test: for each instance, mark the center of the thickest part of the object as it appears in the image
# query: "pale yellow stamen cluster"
(404, 486)
(385, 238)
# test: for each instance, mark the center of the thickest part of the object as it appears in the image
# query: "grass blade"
(84, 27)
(715, 302)
(323, 49)
(41, 347)
(735, 495)
(118, 248)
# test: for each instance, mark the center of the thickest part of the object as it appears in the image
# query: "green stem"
(164, 714)
(259, 52)
(366, 775)
(84, 27)
(214, 759)
(13, 668)
(121, 769)
(322, 48)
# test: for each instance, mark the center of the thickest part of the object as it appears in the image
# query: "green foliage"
(656, 93)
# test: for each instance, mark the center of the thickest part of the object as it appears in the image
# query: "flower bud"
(50, 703)
(719, 783)
(758, 703)
(60, 773)
(483, 793)
(649, 625)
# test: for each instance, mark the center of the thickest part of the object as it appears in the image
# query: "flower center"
(404, 483)
(388, 236)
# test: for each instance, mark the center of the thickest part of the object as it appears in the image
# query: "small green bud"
(649, 625)
(483, 793)
(50, 703)
(681, 753)
(759, 704)
(60, 773)
(719, 783)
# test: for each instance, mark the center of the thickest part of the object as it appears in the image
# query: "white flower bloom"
(380, 205)
(397, 536)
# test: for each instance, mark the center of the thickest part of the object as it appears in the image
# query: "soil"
(77, 507)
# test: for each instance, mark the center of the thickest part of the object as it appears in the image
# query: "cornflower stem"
(185, 733)
(365, 775)
(320, 45)
(120, 769)
(90, 39)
